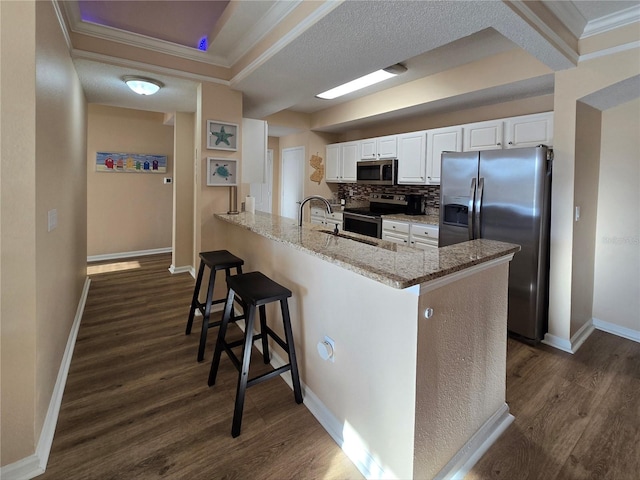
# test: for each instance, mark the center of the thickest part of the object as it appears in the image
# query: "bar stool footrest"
(268, 375)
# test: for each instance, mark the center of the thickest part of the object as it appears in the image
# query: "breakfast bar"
(415, 385)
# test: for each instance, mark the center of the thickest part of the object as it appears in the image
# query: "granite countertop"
(389, 263)
(429, 219)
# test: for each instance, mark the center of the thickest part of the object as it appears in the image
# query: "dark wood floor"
(137, 405)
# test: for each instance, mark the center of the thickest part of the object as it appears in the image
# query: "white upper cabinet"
(333, 164)
(350, 153)
(380, 147)
(419, 154)
(529, 130)
(341, 159)
(483, 135)
(388, 147)
(448, 139)
(254, 150)
(412, 158)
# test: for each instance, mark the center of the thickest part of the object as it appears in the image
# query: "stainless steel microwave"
(377, 172)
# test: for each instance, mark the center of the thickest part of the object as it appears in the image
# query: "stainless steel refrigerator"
(504, 195)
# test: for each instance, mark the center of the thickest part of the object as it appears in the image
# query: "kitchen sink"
(349, 237)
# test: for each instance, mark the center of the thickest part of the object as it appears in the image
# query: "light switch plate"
(52, 219)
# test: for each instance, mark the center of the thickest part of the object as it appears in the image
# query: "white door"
(291, 181)
(263, 191)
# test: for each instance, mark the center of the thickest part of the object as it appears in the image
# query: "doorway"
(291, 181)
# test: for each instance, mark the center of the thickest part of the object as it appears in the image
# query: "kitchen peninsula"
(416, 385)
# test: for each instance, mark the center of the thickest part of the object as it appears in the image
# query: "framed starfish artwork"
(222, 136)
(221, 172)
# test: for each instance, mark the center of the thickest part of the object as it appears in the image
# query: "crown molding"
(563, 47)
(569, 15)
(611, 22)
(60, 15)
(79, 26)
(99, 57)
(274, 16)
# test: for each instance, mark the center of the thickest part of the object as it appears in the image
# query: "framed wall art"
(222, 136)
(221, 172)
(130, 162)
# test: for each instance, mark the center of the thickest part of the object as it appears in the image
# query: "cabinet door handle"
(510, 143)
(498, 143)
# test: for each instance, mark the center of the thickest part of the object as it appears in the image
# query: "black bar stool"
(215, 260)
(255, 290)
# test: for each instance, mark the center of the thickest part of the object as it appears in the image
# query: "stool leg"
(195, 301)
(227, 274)
(205, 317)
(222, 331)
(295, 378)
(244, 372)
(263, 331)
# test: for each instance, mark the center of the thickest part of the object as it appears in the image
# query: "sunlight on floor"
(112, 267)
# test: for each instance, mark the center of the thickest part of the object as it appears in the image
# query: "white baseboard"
(36, 464)
(557, 342)
(137, 253)
(360, 456)
(186, 269)
(464, 460)
(574, 343)
(365, 462)
(614, 329)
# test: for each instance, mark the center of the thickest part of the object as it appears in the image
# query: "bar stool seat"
(215, 260)
(255, 290)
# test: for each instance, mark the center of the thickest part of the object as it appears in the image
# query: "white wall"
(617, 257)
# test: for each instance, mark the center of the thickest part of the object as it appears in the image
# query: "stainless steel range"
(368, 220)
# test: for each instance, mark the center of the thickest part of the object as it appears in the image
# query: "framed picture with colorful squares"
(222, 136)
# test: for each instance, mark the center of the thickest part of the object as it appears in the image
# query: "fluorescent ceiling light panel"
(362, 82)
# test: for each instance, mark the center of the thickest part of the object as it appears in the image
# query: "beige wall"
(44, 168)
(525, 106)
(570, 86)
(588, 126)
(183, 183)
(128, 212)
(617, 257)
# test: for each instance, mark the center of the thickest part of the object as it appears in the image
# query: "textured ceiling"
(349, 39)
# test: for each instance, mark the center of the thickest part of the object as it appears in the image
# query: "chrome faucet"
(309, 198)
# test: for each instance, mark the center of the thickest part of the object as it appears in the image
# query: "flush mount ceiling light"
(143, 85)
(362, 82)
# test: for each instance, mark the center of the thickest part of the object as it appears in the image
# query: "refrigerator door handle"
(472, 199)
(478, 207)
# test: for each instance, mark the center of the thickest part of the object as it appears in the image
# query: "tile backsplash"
(355, 194)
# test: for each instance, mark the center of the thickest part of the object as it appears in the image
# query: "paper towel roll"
(250, 204)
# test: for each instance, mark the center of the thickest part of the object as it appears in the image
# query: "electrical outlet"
(166, 180)
(330, 341)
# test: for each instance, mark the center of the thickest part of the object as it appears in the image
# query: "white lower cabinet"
(417, 235)
(423, 236)
(319, 216)
(396, 232)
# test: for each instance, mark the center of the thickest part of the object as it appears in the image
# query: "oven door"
(362, 224)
